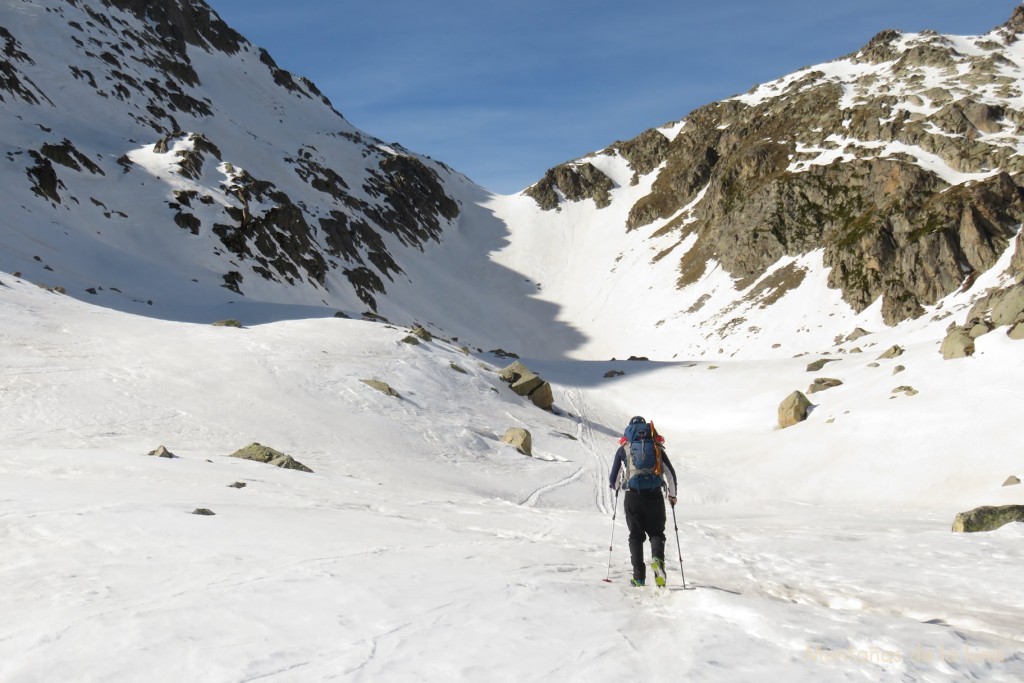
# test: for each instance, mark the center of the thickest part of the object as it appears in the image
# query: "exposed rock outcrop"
(574, 182)
(382, 387)
(644, 153)
(1000, 307)
(260, 453)
(422, 333)
(988, 518)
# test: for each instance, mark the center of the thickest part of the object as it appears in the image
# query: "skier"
(642, 468)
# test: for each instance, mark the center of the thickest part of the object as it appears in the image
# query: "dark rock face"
(181, 22)
(414, 200)
(11, 82)
(45, 182)
(644, 153)
(574, 181)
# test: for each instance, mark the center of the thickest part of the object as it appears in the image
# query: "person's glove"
(672, 501)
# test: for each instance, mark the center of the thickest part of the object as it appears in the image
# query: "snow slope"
(423, 549)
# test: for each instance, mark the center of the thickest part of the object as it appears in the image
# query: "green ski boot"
(658, 565)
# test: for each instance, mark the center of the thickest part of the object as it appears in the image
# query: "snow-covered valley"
(422, 548)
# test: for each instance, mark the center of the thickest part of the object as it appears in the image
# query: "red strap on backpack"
(658, 440)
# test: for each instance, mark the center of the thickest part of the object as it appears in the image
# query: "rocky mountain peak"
(1015, 24)
(181, 22)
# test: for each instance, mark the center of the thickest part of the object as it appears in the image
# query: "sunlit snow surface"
(423, 549)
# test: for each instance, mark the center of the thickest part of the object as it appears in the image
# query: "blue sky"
(501, 91)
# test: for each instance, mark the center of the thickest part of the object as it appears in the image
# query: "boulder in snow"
(819, 364)
(519, 438)
(978, 328)
(525, 383)
(793, 410)
(162, 452)
(988, 518)
(857, 334)
(260, 453)
(542, 396)
(894, 351)
(1011, 480)
(382, 387)
(957, 344)
(823, 383)
(520, 378)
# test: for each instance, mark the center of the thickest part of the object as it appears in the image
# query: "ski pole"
(608, 577)
(678, 546)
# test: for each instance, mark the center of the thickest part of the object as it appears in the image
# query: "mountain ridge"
(174, 170)
(900, 159)
(148, 80)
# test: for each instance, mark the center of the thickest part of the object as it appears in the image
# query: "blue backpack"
(643, 459)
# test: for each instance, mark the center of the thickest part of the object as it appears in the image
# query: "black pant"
(645, 516)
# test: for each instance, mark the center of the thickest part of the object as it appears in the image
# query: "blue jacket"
(617, 478)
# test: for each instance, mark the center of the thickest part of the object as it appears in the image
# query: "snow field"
(448, 556)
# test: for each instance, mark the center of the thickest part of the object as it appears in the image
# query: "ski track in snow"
(593, 470)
